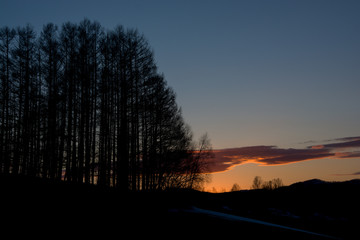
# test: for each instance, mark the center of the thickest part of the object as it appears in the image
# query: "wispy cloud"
(349, 142)
(347, 174)
(225, 159)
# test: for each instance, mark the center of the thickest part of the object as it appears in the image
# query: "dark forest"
(87, 105)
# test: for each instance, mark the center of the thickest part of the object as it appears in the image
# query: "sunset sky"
(275, 84)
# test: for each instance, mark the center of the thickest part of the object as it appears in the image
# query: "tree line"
(85, 104)
(259, 183)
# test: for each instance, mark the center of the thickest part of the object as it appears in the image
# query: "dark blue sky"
(246, 72)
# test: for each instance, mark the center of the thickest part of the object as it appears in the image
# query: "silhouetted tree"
(85, 105)
(257, 183)
(51, 66)
(197, 164)
(7, 36)
(24, 75)
(277, 183)
(69, 49)
(268, 185)
(235, 187)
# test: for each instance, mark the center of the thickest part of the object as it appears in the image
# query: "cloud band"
(225, 159)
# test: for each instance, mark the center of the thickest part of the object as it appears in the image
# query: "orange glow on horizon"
(334, 162)
(324, 169)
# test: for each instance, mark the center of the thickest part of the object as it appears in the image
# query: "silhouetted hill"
(320, 183)
(39, 205)
(314, 181)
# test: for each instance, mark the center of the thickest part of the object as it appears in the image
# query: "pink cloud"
(267, 155)
(225, 159)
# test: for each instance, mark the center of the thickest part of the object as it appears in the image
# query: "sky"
(275, 84)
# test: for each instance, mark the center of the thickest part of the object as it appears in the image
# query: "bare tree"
(235, 187)
(257, 183)
(277, 183)
(51, 69)
(199, 165)
(7, 36)
(268, 185)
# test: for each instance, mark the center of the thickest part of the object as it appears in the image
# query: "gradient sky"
(283, 75)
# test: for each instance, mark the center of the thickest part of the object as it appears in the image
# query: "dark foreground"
(46, 209)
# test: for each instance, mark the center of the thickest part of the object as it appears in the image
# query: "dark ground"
(48, 209)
